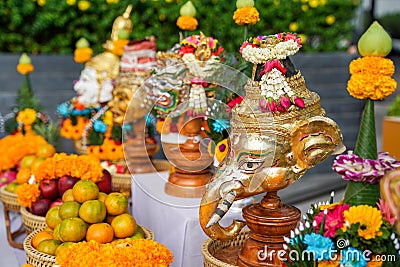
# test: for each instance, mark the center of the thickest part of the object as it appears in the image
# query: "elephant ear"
(313, 140)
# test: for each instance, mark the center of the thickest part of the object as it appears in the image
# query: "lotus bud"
(82, 43)
(284, 102)
(188, 9)
(298, 101)
(272, 105)
(24, 59)
(244, 3)
(375, 41)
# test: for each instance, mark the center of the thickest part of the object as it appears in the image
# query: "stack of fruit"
(86, 214)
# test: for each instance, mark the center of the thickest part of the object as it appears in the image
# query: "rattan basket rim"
(31, 216)
(8, 197)
(39, 256)
(210, 259)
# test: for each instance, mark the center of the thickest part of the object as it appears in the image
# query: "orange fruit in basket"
(53, 217)
(73, 230)
(45, 151)
(102, 196)
(23, 175)
(36, 163)
(109, 218)
(40, 236)
(68, 196)
(69, 209)
(85, 190)
(93, 211)
(124, 225)
(56, 232)
(116, 203)
(49, 246)
(27, 161)
(62, 247)
(100, 232)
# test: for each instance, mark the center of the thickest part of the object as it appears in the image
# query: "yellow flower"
(293, 26)
(277, 2)
(108, 118)
(329, 206)
(303, 37)
(82, 55)
(41, 2)
(26, 116)
(330, 19)
(371, 78)
(221, 150)
(83, 5)
(27, 194)
(246, 16)
(313, 3)
(187, 23)
(304, 8)
(323, 2)
(369, 218)
(71, 2)
(112, 1)
(374, 262)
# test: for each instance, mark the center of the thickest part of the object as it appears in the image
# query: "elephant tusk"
(222, 208)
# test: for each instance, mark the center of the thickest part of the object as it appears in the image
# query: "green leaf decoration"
(359, 193)
(366, 141)
(10, 125)
(95, 138)
(116, 133)
(25, 98)
(50, 132)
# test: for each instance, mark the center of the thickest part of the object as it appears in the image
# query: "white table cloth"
(174, 220)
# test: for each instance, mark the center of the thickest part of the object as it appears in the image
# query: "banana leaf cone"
(360, 193)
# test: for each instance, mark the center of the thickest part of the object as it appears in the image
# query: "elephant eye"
(250, 166)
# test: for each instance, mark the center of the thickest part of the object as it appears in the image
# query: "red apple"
(66, 182)
(41, 207)
(105, 183)
(57, 202)
(48, 188)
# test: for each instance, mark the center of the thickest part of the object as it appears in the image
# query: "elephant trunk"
(211, 211)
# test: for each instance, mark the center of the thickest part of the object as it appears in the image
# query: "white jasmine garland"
(258, 55)
(273, 84)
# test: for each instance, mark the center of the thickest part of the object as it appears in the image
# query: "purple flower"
(285, 102)
(352, 167)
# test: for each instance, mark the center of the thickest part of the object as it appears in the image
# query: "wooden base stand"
(11, 236)
(269, 221)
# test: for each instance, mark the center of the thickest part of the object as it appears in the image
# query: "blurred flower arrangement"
(187, 20)
(125, 252)
(360, 229)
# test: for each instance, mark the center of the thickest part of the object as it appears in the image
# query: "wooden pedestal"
(11, 236)
(269, 221)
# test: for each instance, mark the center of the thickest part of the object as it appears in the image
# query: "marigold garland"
(109, 150)
(85, 167)
(82, 55)
(120, 253)
(371, 78)
(68, 130)
(246, 16)
(17, 147)
(187, 23)
(27, 194)
(25, 68)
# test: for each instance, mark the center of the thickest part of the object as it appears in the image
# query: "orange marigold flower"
(118, 48)
(373, 86)
(187, 23)
(246, 16)
(125, 252)
(372, 65)
(82, 55)
(374, 262)
(27, 194)
(25, 68)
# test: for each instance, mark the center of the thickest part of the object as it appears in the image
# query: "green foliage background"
(53, 26)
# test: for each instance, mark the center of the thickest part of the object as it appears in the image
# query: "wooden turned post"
(269, 221)
(192, 167)
(138, 152)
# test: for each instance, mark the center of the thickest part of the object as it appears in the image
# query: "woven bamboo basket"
(31, 221)
(210, 246)
(10, 200)
(123, 182)
(39, 259)
(78, 147)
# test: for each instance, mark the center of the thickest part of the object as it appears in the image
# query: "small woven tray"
(123, 182)
(31, 221)
(10, 200)
(210, 246)
(39, 259)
